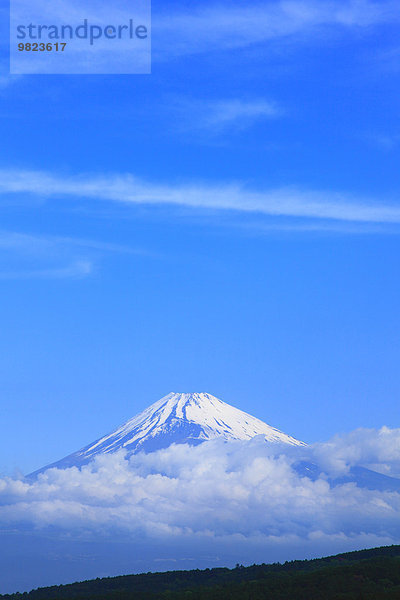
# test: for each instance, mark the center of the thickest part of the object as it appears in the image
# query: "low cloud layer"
(218, 489)
(215, 503)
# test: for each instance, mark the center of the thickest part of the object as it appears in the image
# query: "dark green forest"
(363, 575)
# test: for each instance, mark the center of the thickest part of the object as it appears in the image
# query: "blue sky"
(229, 224)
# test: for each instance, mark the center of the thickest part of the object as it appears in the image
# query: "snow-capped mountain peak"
(179, 418)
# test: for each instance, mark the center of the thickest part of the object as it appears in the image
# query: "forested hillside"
(364, 575)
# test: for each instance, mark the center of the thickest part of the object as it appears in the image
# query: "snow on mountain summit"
(178, 418)
(201, 416)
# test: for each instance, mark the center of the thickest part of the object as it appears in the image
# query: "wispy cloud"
(27, 256)
(8, 80)
(43, 244)
(384, 141)
(77, 270)
(219, 116)
(257, 227)
(234, 111)
(127, 189)
(24, 256)
(219, 27)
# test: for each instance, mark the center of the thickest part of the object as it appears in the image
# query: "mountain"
(361, 476)
(177, 418)
(196, 418)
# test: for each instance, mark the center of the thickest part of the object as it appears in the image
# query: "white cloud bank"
(183, 507)
(127, 189)
(216, 489)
